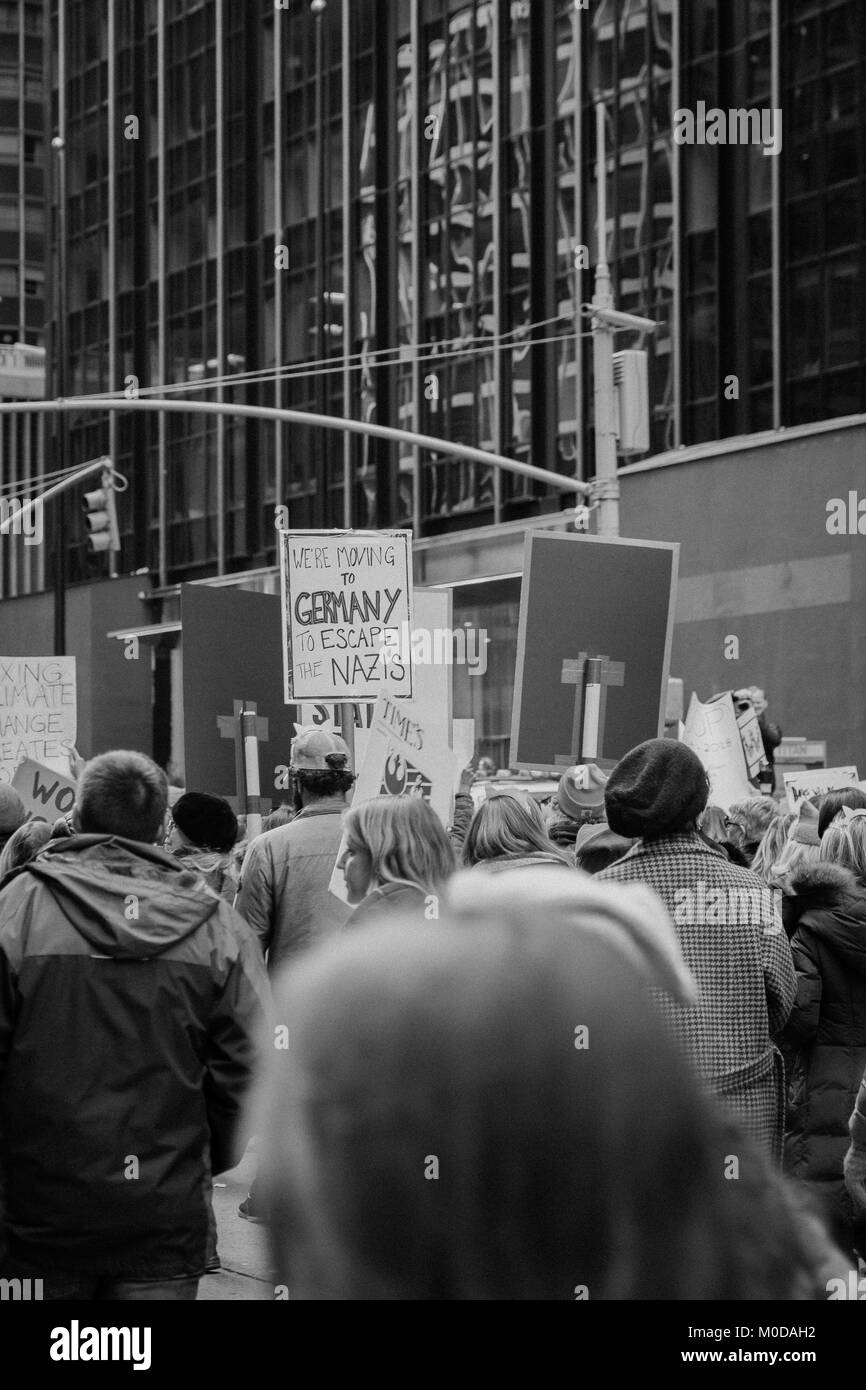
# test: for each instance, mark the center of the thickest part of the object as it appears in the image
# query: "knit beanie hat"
(208, 821)
(12, 811)
(658, 788)
(804, 831)
(581, 789)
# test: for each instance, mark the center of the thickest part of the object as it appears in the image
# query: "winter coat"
(734, 945)
(391, 900)
(130, 996)
(284, 893)
(826, 1032)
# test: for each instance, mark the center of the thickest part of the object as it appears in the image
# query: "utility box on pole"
(631, 383)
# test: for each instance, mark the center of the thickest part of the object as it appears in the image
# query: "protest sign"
(346, 598)
(711, 730)
(38, 714)
(403, 758)
(799, 785)
(591, 604)
(750, 735)
(231, 651)
(46, 794)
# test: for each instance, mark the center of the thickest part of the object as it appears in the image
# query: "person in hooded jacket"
(826, 1033)
(130, 996)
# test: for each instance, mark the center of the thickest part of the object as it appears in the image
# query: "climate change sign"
(38, 717)
(346, 596)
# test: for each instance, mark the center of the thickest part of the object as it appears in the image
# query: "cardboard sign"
(799, 785)
(582, 598)
(753, 744)
(347, 599)
(711, 730)
(404, 758)
(38, 714)
(46, 794)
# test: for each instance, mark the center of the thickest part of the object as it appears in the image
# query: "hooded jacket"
(129, 998)
(826, 1032)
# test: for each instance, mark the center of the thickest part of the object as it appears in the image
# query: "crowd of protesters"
(610, 1045)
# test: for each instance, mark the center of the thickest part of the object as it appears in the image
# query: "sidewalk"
(242, 1246)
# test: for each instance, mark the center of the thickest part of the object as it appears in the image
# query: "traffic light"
(100, 513)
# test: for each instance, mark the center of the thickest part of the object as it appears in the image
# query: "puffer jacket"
(130, 997)
(826, 1033)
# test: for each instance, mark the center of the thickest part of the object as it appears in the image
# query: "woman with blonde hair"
(397, 858)
(508, 832)
(771, 846)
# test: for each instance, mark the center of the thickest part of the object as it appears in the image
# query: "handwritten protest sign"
(46, 794)
(38, 717)
(346, 596)
(814, 783)
(711, 730)
(404, 757)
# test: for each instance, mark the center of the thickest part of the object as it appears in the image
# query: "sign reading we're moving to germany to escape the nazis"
(593, 648)
(347, 598)
(38, 713)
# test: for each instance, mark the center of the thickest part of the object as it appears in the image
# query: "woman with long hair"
(23, 845)
(397, 857)
(770, 848)
(496, 1111)
(826, 1031)
(508, 832)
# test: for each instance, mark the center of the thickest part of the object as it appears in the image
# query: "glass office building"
(376, 213)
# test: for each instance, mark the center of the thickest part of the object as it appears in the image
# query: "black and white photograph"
(432, 668)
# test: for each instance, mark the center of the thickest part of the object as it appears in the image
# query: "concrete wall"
(757, 562)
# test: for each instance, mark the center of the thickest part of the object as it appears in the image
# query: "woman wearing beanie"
(579, 801)
(729, 931)
(826, 1032)
(202, 832)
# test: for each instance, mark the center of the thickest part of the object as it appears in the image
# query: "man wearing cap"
(729, 928)
(284, 892)
(579, 801)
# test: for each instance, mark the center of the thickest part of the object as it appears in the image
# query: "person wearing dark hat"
(579, 801)
(729, 927)
(202, 830)
(12, 813)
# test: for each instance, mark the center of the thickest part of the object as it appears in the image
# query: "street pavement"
(242, 1247)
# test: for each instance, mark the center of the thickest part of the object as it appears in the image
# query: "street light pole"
(61, 430)
(318, 8)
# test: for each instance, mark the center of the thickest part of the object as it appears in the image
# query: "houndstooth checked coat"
(736, 948)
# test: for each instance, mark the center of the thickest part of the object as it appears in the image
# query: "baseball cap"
(319, 750)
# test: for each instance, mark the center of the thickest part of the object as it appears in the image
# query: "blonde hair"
(405, 841)
(508, 827)
(844, 843)
(794, 857)
(772, 844)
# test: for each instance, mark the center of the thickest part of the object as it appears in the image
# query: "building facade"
(388, 211)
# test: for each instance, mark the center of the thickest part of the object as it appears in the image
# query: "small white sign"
(817, 782)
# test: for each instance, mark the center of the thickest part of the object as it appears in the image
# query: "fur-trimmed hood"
(830, 903)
